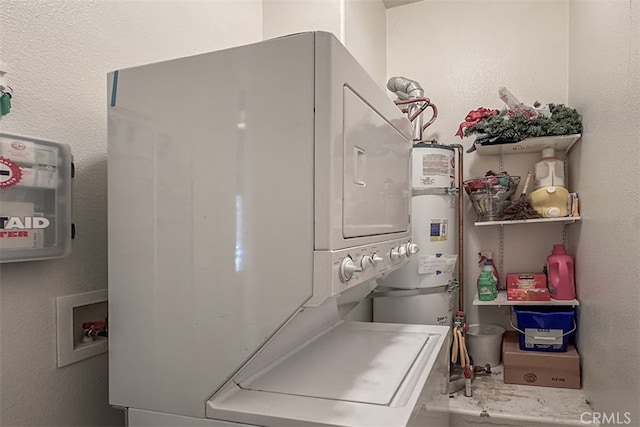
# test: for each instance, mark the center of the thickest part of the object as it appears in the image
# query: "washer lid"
(356, 362)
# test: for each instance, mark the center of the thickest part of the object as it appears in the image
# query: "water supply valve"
(92, 330)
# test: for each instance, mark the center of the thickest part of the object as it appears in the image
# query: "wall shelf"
(529, 145)
(566, 219)
(502, 300)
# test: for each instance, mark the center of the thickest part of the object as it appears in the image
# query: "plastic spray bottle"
(489, 267)
(487, 257)
(487, 289)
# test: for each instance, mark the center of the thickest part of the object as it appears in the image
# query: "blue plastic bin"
(545, 328)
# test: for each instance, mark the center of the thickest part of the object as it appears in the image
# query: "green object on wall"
(5, 104)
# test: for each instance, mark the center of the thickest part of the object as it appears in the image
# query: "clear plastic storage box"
(35, 198)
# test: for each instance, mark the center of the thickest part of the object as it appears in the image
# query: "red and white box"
(527, 287)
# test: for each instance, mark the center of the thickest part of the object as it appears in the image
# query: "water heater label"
(436, 164)
(438, 230)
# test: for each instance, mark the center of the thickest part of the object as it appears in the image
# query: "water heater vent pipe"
(411, 94)
(405, 88)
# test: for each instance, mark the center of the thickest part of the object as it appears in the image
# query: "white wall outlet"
(71, 312)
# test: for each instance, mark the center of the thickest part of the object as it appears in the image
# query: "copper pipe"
(426, 102)
(414, 110)
(433, 118)
(411, 100)
(460, 149)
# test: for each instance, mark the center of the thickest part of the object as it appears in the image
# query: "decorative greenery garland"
(563, 121)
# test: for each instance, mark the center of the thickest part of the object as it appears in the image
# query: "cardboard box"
(559, 370)
(534, 294)
(526, 280)
(527, 287)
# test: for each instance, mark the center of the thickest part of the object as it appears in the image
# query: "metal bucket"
(484, 344)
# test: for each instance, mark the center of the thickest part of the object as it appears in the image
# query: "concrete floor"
(495, 403)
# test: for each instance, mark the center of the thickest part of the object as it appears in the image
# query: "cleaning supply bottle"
(487, 257)
(560, 272)
(550, 197)
(488, 266)
(549, 171)
(487, 290)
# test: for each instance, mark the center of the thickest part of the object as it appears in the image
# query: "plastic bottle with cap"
(550, 198)
(488, 266)
(487, 289)
(550, 202)
(486, 257)
(560, 271)
(549, 171)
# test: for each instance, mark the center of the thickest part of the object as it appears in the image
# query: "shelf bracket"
(501, 257)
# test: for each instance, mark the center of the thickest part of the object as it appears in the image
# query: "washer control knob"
(412, 248)
(365, 262)
(394, 254)
(347, 268)
(402, 250)
(377, 259)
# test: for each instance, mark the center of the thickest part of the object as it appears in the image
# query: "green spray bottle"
(487, 286)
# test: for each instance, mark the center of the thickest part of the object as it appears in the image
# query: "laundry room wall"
(604, 85)
(358, 24)
(461, 53)
(58, 54)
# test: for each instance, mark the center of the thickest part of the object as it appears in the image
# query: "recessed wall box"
(35, 198)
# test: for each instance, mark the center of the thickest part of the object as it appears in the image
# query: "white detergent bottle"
(549, 171)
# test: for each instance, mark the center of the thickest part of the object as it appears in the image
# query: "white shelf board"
(529, 221)
(501, 299)
(529, 145)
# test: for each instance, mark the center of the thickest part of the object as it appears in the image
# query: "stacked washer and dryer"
(244, 225)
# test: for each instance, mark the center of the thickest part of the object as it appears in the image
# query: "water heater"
(427, 282)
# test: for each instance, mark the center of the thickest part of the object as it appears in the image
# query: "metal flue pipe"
(407, 89)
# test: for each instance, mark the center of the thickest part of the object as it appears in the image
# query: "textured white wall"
(58, 53)
(604, 85)
(283, 17)
(358, 24)
(462, 52)
(366, 36)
